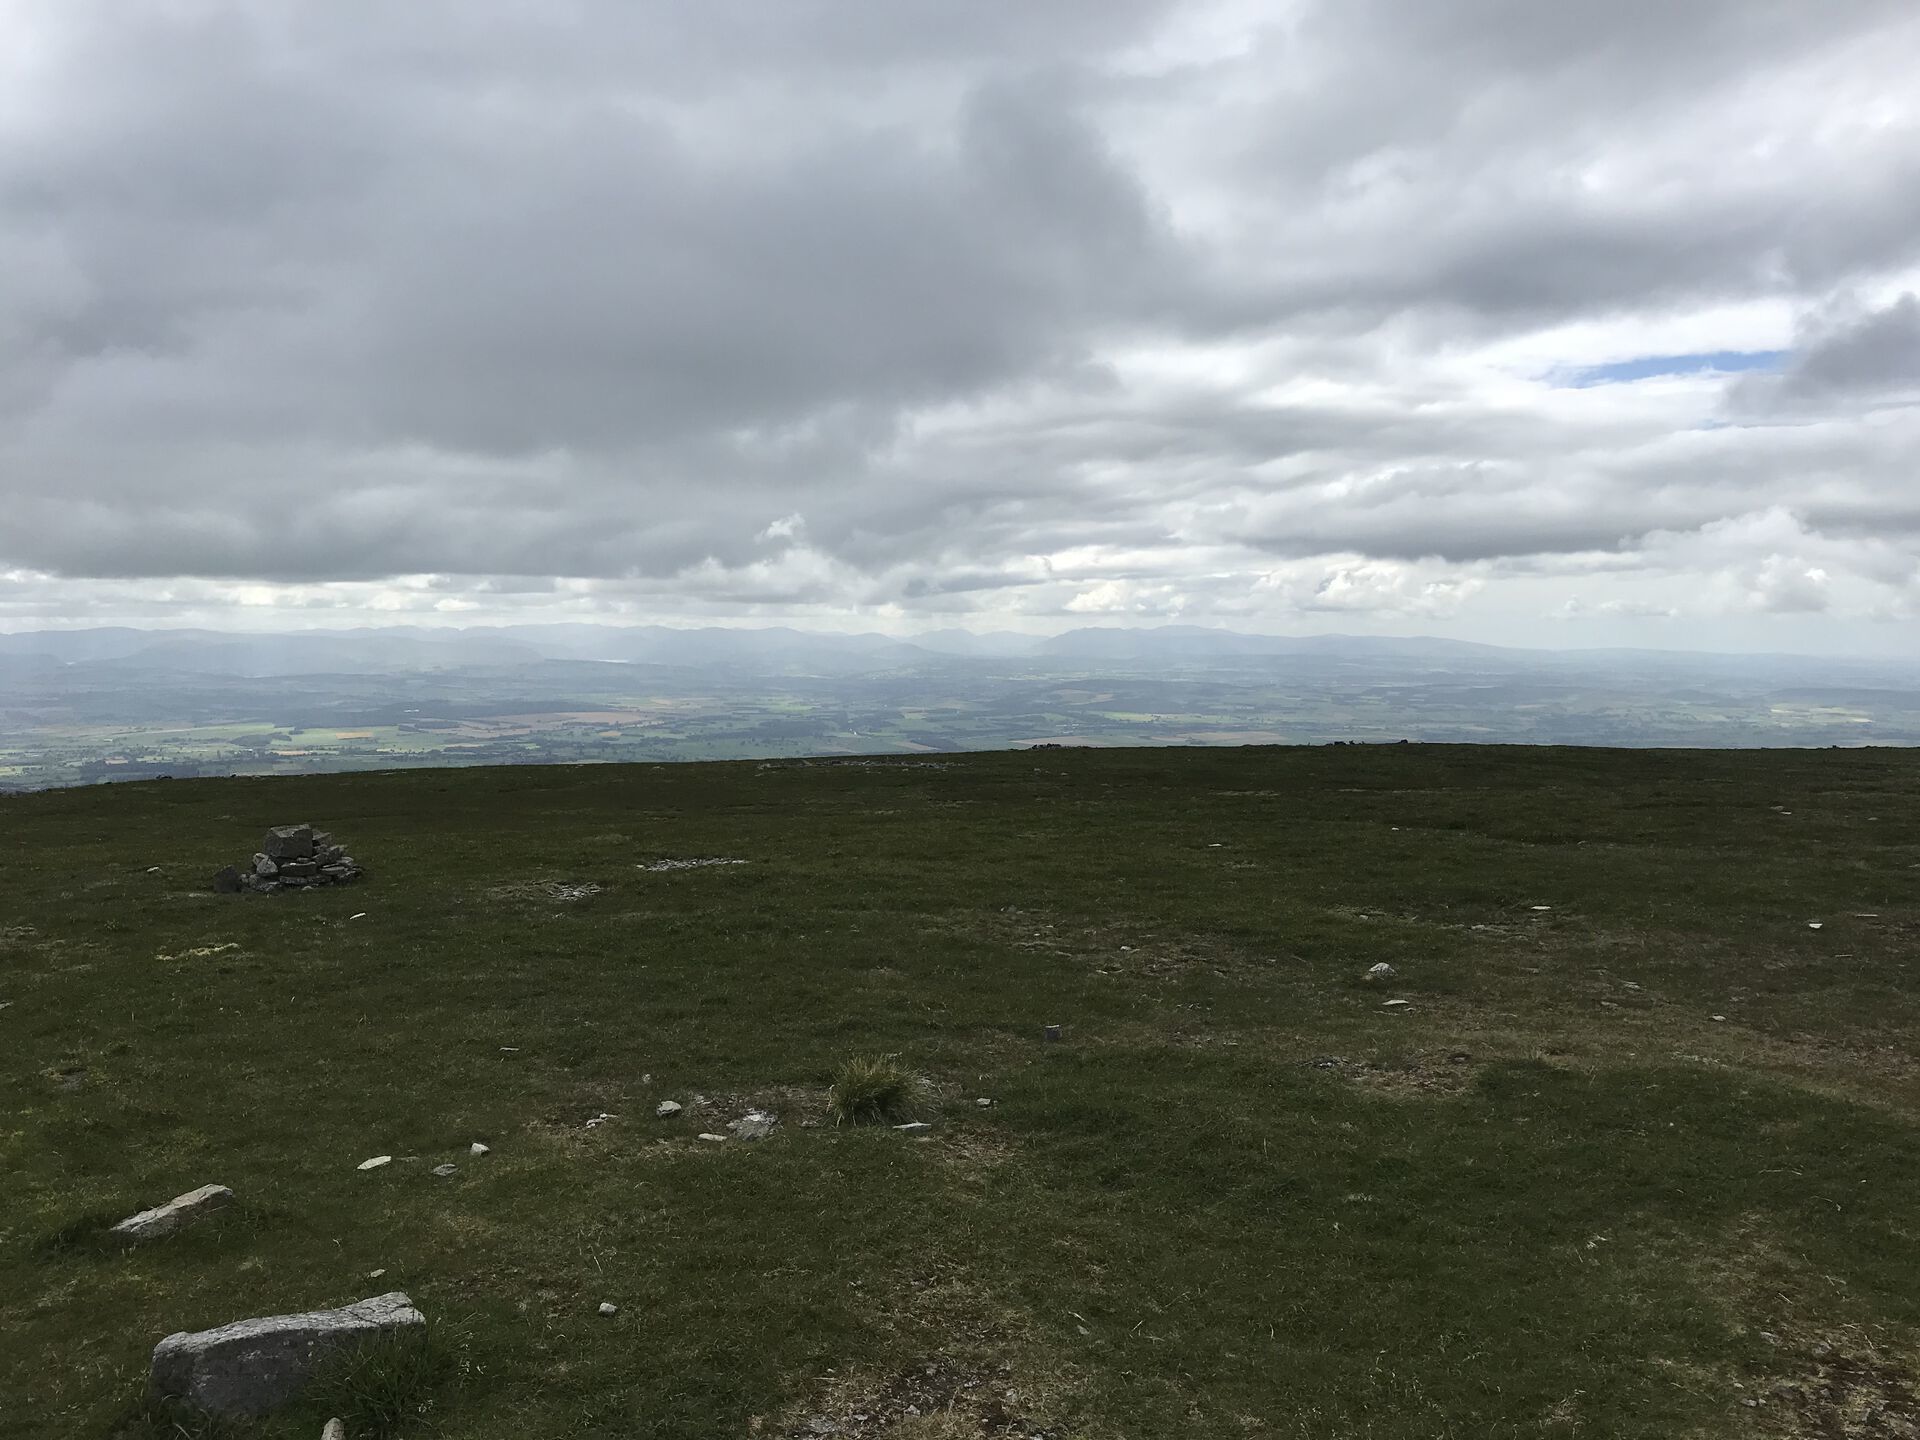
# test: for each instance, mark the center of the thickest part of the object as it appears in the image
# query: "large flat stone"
(288, 842)
(177, 1213)
(253, 1367)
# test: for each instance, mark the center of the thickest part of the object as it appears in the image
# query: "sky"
(1569, 324)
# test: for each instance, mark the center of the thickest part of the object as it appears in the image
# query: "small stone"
(226, 881)
(1052, 1032)
(336, 1429)
(1395, 1004)
(265, 866)
(667, 1107)
(983, 1102)
(176, 1214)
(708, 1135)
(914, 1127)
(253, 1367)
(1814, 924)
(360, 916)
(607, 1307)
(1543, 907)
(1721, 1018)
(754, 1125)
(153, 869)
(477, 1148)
(376, 1162)
(1379, 971)
(376, 1274)
(444, 1170)
(597, 1121)
(302, 869)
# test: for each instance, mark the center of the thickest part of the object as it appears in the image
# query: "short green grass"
(1553, 1195)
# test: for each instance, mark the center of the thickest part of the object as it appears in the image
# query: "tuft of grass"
(382, 1387)
(872, 1090)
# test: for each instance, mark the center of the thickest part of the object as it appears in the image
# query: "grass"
(1552, 1195)
(872, 1090)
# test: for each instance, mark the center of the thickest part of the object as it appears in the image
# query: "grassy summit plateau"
(1637, 1158)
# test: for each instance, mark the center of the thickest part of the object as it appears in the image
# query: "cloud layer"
(898, 312)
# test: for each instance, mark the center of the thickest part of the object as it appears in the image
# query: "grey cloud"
(343, 291)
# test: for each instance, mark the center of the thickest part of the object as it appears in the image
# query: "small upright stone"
(289, 842)
(336, 1429)
(176, 1214)
(478, 1148)
(226, 881)
(607, 1307)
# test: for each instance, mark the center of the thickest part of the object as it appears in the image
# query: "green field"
(1639, 1159)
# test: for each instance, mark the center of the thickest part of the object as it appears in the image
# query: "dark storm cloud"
(880, 299)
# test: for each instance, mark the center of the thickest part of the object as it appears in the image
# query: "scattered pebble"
(1053, 1032)
(1395, 1004)
(1717, 1017)
(607, 1307)
(509, 1049)
(443, 1170)
(600, 1120)
(1379, 971)
(360, 915)
(914, 1127)
(376, 1162)
(376, 1274)
(983, 1102)
(478, 1149)
(1814, 924)
(667, 1107)
(336, 1429)
(709, 1135)
(153, 870)
(1543, 907)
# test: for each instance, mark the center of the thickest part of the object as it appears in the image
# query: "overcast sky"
(1570, 323)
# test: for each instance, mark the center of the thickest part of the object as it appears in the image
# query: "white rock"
(478, 1149)
(1543, 907)
(361, 915)
(667, 1107)
(176, 1214)
(1717, 1017)
(443, 1170)
(336, 1430)
(1395, 1004)
(1379, 971)
(913, 1127)
(708, 1135)
(1814, 924)
(376, 1162)
(607, 1307)
(376, 1274)
(983, 1102)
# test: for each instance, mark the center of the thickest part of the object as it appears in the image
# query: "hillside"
(1637, 1156)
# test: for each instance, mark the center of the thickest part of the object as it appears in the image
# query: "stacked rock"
(292, 857)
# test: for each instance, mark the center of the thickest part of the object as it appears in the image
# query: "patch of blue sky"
(1647, 367)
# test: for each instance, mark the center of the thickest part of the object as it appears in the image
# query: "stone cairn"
(292, 857)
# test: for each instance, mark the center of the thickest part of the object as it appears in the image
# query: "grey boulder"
(227, 880)
(176, 1214)
(252, 1367)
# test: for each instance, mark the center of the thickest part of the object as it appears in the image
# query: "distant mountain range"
(781, 650)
